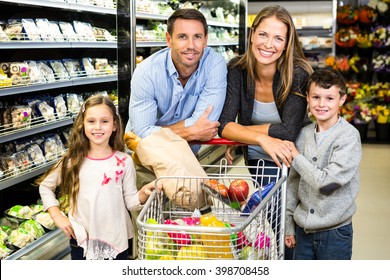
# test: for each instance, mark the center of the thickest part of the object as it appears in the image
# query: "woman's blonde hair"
(77, 149)
(292, 56)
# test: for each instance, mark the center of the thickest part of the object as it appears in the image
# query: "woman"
(266, 93)
(266, 90)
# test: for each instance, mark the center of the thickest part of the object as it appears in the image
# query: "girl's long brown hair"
(292, 56)
(77, 149)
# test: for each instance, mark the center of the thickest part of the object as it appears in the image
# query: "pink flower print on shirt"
(120, 161)
(118, 175)
(106, 180)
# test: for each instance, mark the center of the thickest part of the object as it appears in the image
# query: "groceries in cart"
(208, 238)
(233, 196)
(169, 232)
(167, 154)
(256, 198)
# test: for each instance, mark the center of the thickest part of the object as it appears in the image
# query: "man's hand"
(204, 129)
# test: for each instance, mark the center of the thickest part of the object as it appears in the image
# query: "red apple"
(221, 188)
(238, 190)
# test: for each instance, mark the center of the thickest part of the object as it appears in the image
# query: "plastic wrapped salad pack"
(33, 228)
(45, 220)
(20, 238)
(20, 211)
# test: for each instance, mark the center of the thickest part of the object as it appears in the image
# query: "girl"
(98, 178)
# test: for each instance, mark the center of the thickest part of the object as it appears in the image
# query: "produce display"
(21, 226)
(44, 219)
(19, 211)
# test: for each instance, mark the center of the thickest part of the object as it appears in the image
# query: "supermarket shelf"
(25, 175)
(150, 16)
(146, 44)
(315, 31)
(63, 5)
(37, 128)
(51, 246)
(50, 45)
(59, 84)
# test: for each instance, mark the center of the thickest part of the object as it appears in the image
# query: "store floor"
(371, 221)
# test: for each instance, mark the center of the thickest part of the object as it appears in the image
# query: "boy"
(324, 176)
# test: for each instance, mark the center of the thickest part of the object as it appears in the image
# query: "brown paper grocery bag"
(167, 154)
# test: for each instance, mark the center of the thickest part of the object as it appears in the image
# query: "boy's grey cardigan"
(324, 181)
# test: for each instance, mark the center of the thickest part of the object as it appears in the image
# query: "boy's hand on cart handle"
(290, 241)
(293, 149)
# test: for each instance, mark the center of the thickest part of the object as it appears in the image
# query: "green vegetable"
(4, 251)
(3, 236)
(20, 211)
(33, 228)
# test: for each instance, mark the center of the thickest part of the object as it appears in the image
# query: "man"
(183, 86)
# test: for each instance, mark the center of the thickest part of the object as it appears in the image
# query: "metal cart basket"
(221, 228)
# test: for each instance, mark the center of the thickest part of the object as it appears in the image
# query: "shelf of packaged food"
(26, 174)
(62, 5)
(53, 245)
(6, 91)
(317, 49)
(35, 128)
(164, 44)
(150, 16)
(57, 45)
(315, 31)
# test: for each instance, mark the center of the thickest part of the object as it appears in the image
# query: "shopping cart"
(221, 228)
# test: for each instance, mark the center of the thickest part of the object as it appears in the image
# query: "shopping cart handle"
(217, 141)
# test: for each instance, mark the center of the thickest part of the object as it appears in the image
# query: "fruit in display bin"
(238, 190)
(367, 14)
(347, 14)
